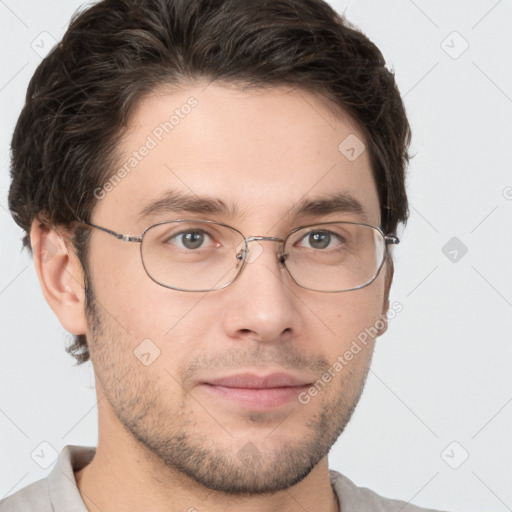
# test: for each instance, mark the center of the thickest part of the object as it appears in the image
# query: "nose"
(262, 302)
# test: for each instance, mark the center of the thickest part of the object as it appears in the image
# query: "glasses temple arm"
(391, 239)
(119, 236)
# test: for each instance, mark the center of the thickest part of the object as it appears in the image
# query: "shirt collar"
(62, 488)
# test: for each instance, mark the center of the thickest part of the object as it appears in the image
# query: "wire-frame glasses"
(203, 255)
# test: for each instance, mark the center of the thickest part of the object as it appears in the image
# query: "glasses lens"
(192, 255)
(335, 257)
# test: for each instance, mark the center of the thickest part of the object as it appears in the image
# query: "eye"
(321, 239)
(190, 239)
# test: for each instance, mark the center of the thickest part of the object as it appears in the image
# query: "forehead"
(261, 154)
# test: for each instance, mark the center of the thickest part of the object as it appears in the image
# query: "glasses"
(204, 255)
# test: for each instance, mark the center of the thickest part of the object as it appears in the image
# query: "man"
(209, 190)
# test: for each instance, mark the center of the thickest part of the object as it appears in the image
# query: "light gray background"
(441, 374)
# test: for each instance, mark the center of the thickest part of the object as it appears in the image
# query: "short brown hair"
(81, 96)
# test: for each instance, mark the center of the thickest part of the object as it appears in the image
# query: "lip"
(253, 381)
(256, 392)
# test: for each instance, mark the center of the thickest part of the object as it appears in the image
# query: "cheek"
(130, 298)
(148, 310)
(117, 271)
(350, 316)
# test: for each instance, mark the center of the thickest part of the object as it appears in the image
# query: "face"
(261, 153)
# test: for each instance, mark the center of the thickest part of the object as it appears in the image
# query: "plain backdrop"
(434, 424)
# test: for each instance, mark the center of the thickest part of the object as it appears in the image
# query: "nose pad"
(247, 253)
(244, 254)
(255, 251)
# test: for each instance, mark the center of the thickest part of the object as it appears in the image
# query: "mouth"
(257, 392)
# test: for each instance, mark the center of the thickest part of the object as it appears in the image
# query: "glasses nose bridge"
(263, 238)
(268, 239)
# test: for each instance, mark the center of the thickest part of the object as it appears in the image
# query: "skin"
(164, 442)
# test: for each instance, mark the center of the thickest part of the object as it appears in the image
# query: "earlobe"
(60, 276)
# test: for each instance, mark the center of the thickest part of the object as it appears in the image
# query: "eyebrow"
(179, 202)
(341, 202)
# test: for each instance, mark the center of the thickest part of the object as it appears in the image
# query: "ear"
(60, 275)
(390, 270)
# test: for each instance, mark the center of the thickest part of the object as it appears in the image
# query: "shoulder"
(34, 496)
(58, 490)
(361, 499)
